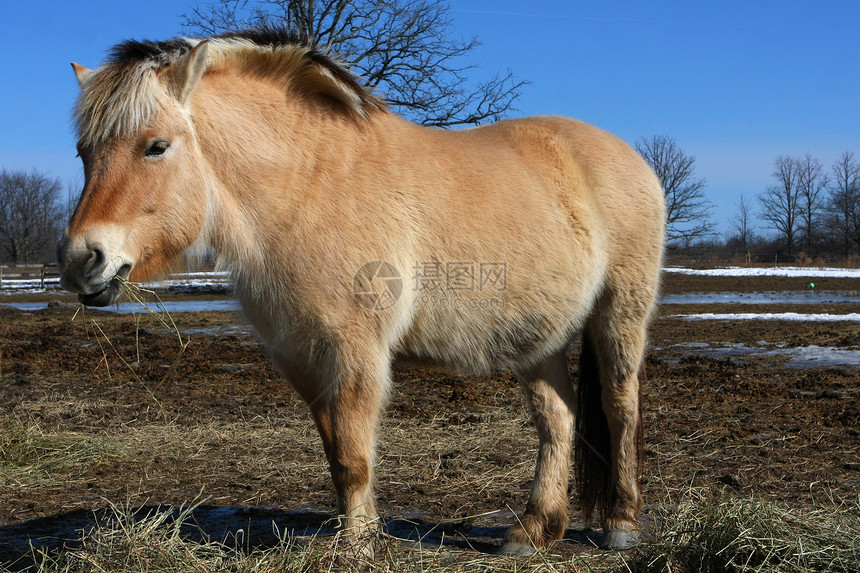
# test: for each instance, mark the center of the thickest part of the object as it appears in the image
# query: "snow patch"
(785, 316)
(791, 272)
(812, 356)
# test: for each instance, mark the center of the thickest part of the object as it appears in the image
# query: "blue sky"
(735, 83)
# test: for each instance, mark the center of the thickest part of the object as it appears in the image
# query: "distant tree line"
(30, 216)
(814, 209)
(811, 210)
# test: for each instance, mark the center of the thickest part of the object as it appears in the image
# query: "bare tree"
(779, 202)
(29, 216)
(688, 212)
(74, 188)
(401, 48)
(741, 222)
(843, 202)
(811, 183)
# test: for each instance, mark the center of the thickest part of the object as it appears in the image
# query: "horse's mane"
(121, 96)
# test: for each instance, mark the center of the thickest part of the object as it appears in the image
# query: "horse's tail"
(592, 445)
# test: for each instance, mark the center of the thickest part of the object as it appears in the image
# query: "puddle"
(783, 316)
(222, 330)
(775, 297)
(801, 357)
(28, 306)
(227, 305)
(137, 308)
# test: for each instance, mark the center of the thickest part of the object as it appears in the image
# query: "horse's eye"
(156, 148)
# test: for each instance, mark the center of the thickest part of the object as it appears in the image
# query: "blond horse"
(356, 238)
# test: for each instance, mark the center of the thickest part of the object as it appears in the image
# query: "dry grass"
(710, 532)
(694, 531)
(705, 532)
(33, 457)
(152, 305)
(168, 540)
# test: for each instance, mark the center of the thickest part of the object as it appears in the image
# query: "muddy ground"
(121, 412)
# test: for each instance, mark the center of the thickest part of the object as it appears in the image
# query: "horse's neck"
(266, 161)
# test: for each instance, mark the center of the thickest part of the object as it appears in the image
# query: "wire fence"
(708, 260)
(22, 277)
(29, 275)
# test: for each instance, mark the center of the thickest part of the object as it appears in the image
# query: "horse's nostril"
(95, 262)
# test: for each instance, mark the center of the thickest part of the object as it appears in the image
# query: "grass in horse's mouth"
(139, 295)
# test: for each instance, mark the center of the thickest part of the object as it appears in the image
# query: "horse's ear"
(81, 72)
(185, 74)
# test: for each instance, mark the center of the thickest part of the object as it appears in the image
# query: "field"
(100, 410)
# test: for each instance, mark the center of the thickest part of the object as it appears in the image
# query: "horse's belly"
(485, 339)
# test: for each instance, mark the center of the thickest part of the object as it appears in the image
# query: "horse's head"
(144, 199)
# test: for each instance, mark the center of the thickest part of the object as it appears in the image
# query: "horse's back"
(611, 198)
(608, 169)
(610, 180)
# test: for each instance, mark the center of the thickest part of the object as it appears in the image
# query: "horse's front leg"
(356, 398)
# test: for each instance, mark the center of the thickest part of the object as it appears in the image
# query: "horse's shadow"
(249, 528)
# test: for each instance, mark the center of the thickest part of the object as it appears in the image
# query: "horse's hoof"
(515, 549)
(620, 540)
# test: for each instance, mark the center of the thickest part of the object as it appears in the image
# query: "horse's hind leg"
(616, 334)
(551, 399)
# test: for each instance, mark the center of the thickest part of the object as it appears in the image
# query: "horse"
(356, 239)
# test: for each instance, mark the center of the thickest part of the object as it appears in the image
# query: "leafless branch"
(29, 216)
(843, 202)
(402, 49)
(687, 210)
(741, 223)
(779, 202)
(812, 181)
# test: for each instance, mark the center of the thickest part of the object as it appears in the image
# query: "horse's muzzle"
(91, 272)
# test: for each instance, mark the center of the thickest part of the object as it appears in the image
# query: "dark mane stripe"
(132, 52)
(163, 52)
(275, 37)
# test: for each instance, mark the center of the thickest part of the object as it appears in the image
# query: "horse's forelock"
(116, 101)
(120, 98)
